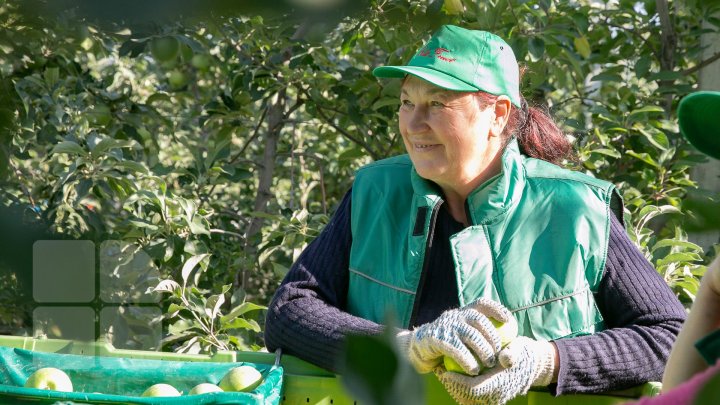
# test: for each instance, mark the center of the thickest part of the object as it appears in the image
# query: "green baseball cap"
(459, 59)
(699, 119)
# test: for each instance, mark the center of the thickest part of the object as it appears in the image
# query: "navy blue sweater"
(306, 317)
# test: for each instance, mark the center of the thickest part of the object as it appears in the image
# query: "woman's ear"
(502, 115)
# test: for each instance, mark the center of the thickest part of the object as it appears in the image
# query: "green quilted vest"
(537, 243)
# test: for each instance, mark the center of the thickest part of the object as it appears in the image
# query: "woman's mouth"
(424, 146)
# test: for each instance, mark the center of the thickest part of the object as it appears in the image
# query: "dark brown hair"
(537, 133)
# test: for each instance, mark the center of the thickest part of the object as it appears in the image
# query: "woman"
(695, 357)
(478, 222)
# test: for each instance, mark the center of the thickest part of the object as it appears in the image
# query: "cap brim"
(430, 75)
(698, 120)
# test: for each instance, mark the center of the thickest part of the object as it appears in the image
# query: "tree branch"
(702, 64)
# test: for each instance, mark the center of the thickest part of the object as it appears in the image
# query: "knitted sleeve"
(642, 317)
(305, 317)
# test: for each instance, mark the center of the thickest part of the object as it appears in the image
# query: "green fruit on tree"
(204, 388)
(164, 49)
(49, 378)
(177, 79)
(452, 7)
(243, 378)
(200, 62)
(161, 390)
(508, 332)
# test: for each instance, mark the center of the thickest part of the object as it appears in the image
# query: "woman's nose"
(417, 121)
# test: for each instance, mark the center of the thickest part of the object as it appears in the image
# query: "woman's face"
(448, 134)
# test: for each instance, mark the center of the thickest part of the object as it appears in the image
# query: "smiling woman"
(479, 225)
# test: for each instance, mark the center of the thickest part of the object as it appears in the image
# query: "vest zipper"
(426, 262)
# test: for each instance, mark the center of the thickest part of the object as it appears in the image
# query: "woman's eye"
(436, 104)
(406, 103)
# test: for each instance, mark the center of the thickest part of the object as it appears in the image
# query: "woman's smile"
(426, 147)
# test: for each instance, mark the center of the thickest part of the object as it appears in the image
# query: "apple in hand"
(49, 378)
(243, 378)
(161, 390)
(204, 388)
(508, 331)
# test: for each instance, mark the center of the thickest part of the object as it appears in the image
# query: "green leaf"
(642, 67)
(198, 226)
(69, 147)
(683, 257)
(240, 310)
(52, 75)
(582, 46)
(241, 323)
(213, 304)
(608, 152)
(130, 165)
(168, 286)
(644, 157)
(190, 265)
(388, 101)
(109, 143)
(536, 47)
(666, 75)
(676, 243)
(172, 308)
(606, 77)
(655, 137)
(647, 110)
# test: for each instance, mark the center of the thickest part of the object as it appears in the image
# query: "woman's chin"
(431, 173)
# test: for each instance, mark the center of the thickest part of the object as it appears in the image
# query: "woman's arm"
(642, 317)
(305, 317)
(704, 317)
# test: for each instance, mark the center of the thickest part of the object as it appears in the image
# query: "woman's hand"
(464, 334)
(523, 363)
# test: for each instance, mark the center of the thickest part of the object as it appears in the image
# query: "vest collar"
(492, 198)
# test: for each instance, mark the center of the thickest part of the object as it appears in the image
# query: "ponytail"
(538, 135)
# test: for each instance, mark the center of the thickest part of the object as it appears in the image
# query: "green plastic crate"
(304, 383)
(102, 375)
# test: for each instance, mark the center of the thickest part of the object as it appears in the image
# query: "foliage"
(198, 323)
(231, 136)
(375, 372)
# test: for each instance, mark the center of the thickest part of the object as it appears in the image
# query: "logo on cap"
(438, 53)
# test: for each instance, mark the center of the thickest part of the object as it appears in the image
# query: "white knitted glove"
(465, 334)
(523, 363)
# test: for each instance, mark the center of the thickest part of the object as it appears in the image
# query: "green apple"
(243, 378)
(204, 388)
(50, 378)
(452, 365)
(508, 332)
(200, 62)
(453, 7)
(161, 390)
(164, 49)
(177, 79)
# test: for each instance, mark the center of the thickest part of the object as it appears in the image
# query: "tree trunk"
(276, 114)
